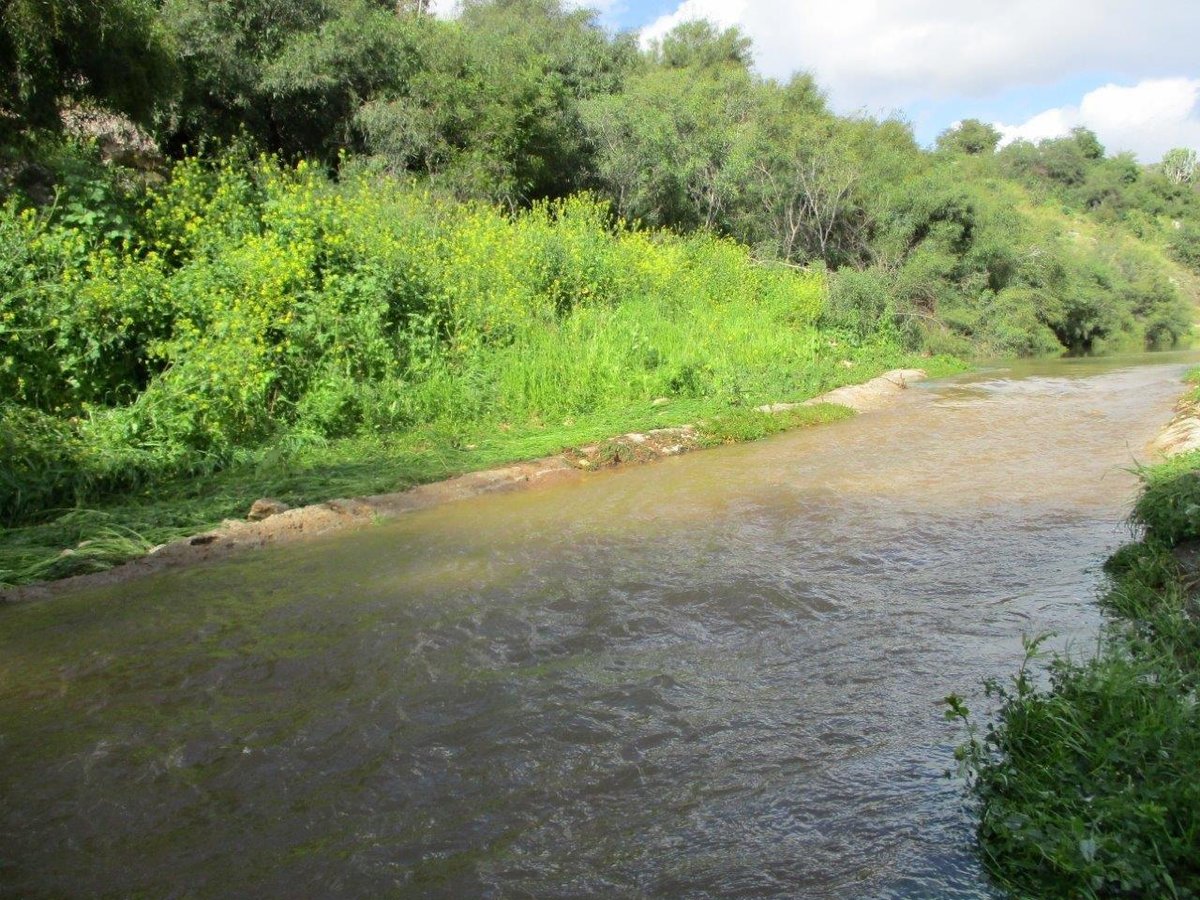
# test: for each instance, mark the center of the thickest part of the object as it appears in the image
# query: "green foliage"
(1185, 245)
(1085, 783)
(1085, 787)
(258, 301)
(1179, 165)
(979, 263)
(700, 45)
(57, 51)
(1169, 508)
(969, 136)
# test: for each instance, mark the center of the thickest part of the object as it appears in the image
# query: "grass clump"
(1086, 782)
(738, 425)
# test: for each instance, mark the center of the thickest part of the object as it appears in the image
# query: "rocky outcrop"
(264, 508)
(1183, 434)
(874, 394)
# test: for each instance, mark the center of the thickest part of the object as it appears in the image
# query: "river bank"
(578, 688)
(1086, 785)
(272, 522)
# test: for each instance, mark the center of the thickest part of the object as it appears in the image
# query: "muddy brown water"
(718, 675)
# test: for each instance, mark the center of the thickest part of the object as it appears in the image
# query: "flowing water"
(718, 675)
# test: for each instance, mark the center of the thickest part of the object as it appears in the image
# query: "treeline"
(966, 249)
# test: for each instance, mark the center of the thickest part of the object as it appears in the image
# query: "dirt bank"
(1183, 434)
(321, 518)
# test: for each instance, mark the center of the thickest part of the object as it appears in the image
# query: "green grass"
(1086, 785)
(128, 525)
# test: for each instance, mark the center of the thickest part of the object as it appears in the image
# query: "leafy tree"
(493, 107)
(663, 146)
(1087, 142)
(969, 136)
(320, 78)
(1179, 165)
(224, 50)
(1107, 183)
(699, 44)
(802, 183)
(52, 52)
(1062, 160)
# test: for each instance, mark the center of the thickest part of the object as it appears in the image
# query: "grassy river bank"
(1086, 782)
(264, 331)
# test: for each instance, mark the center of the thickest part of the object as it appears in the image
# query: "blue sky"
(638, 13)
(1126, 68)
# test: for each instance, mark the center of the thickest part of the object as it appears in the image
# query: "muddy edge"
(307, 522)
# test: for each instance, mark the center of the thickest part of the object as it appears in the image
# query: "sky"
(1127, 69)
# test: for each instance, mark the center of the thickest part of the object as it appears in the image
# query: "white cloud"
(720, 12)
(1147, 118)
(448, 9)
(883, 53)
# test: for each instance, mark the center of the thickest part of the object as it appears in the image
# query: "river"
(718, 675)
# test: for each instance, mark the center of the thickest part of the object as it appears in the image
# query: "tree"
(662, 147)
(224, 50)
(800, 183)
(969, 136)
(111, 53)
(320, 78)
(699, 44)
(1179, 165)
(1087, 142)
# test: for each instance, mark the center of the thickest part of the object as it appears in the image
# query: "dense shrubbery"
(257, 301)
(1027, 249)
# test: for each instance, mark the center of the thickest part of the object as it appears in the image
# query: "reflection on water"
(718, 675)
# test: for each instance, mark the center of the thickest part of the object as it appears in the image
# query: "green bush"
(1085, 784)
(1169, 508)
(258, 301)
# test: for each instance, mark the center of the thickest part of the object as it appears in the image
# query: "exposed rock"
(660, 401)
(120, 141)
(1182, 435)
(874, 394)
(265, 507)
(775, 407)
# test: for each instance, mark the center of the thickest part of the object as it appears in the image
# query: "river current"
(718, 675)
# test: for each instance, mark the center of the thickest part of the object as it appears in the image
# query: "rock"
(265, 507)
(119, 140)
(847, 364)
(201, 539)
(660, 401)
